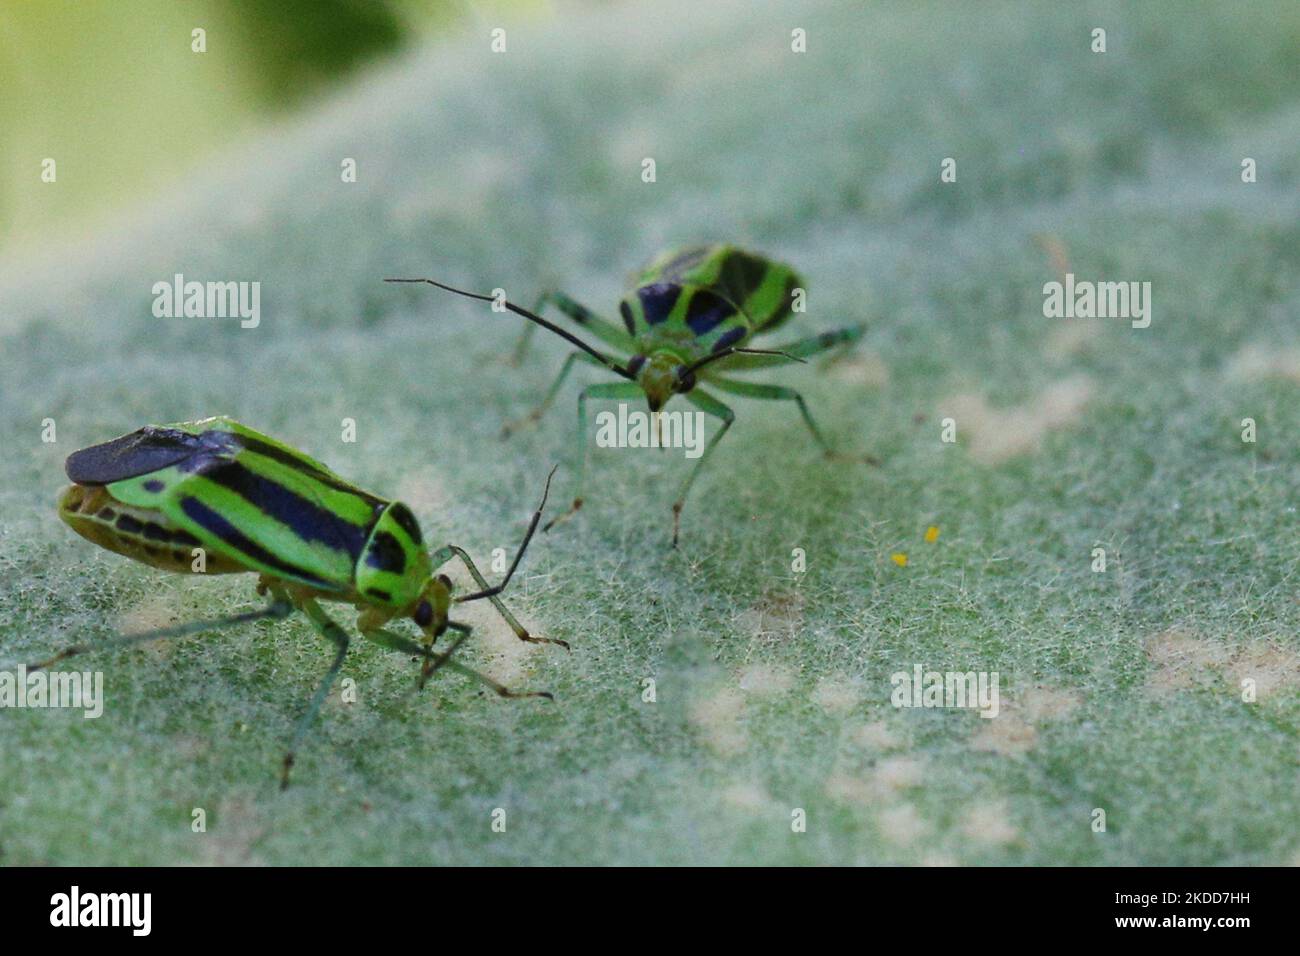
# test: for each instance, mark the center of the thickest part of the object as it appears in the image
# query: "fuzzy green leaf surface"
(1121, 690)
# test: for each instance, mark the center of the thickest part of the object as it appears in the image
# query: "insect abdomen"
(142, 534)
(260, 504)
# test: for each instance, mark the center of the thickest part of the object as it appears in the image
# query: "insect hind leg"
(331, 631)
(782, 393)
(279, 608)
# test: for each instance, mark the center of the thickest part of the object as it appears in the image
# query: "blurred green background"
(1121, 690)
(115, 94)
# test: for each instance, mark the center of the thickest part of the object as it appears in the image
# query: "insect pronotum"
(252, 503)
(686, 321)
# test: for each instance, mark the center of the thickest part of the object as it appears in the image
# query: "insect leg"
(332, 632)
(404, 645)
(397, 642)
(717, 409)
(603, 390)
(603, 329)
(442, 555)
(276, 609)
(431, 664)
(795, 351)
(781, 393)
(540, 410)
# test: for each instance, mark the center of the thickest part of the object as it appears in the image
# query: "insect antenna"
(694, 366)
(604, 359)
(519, 555)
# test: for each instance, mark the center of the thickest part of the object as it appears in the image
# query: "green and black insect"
(686, 321)
(236, 500)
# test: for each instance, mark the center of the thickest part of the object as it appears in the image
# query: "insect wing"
(147, 450)
(761, 288)
(685, 266)
(692, 319)
(264, 505)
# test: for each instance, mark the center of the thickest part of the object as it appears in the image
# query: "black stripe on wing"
(300, 463)
(149, 449)
(707, 310)
(309, 520)
(741, 276)
(216, 524)
(658, 300)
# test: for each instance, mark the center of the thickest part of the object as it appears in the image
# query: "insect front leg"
(404, 645)
(717, 409)
(335, 634)
(443, 555)
(532, 417)
(780, 393)
(372, 619)
(396, 642)
(603, 390)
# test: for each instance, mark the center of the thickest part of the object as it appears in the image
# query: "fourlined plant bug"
(253, 504)
(686, 321)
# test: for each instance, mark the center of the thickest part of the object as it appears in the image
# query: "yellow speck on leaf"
(932, 534)
(899, 558)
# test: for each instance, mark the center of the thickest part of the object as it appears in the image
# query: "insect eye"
(445, 581)
(685, 378)
(424, 614)
(634, 366)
